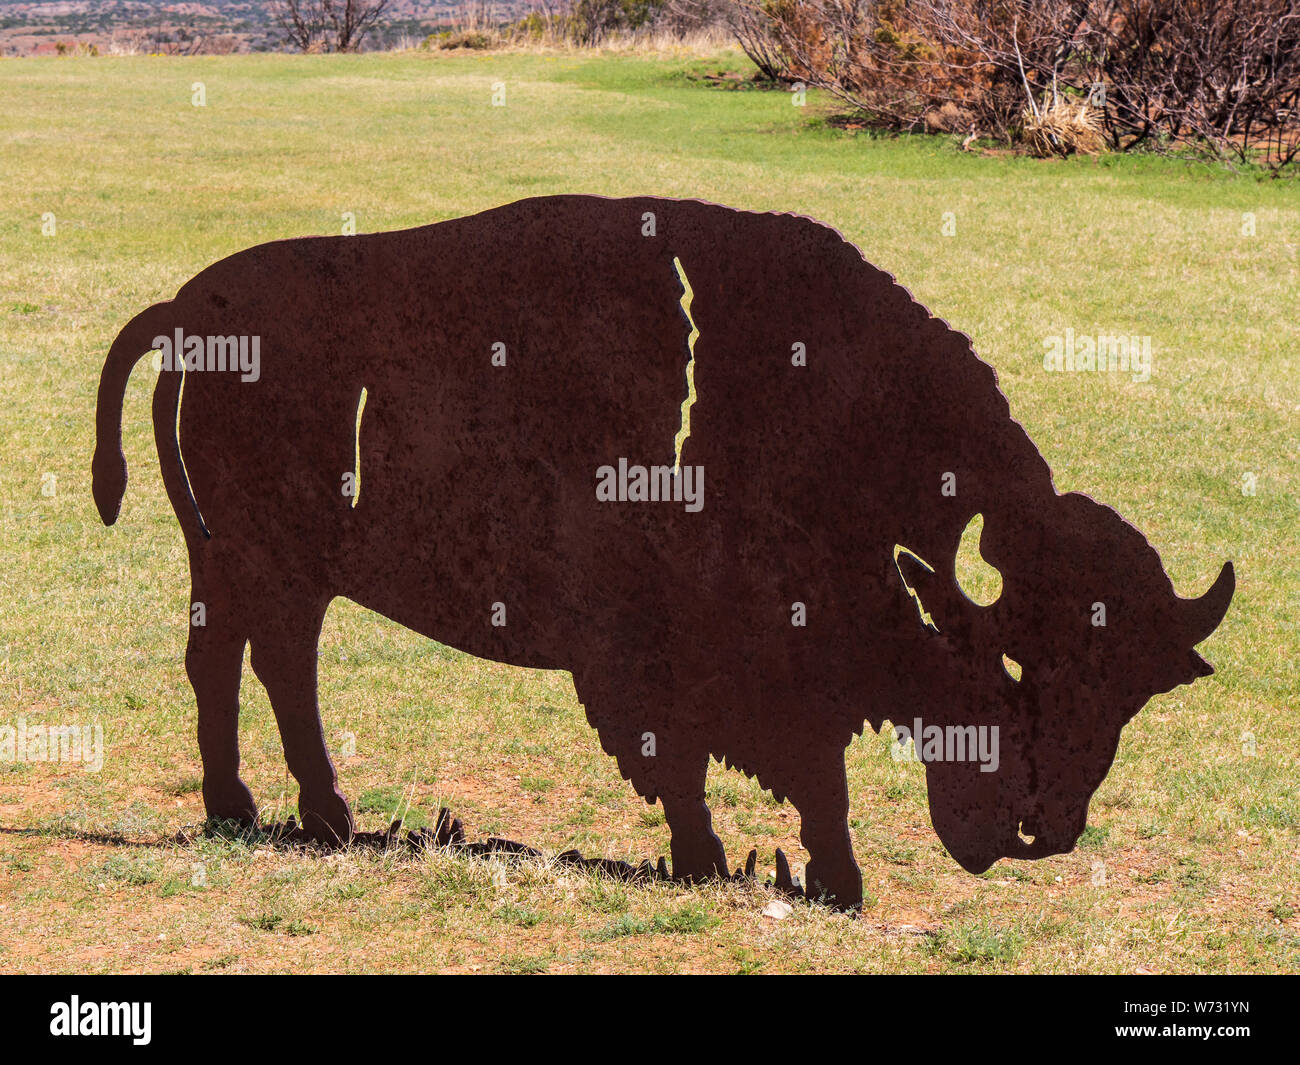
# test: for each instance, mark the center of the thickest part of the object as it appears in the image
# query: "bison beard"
(505, 358)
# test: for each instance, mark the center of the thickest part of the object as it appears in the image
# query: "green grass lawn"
(1190, 860)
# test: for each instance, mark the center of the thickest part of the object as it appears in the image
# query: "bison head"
(1090, 621)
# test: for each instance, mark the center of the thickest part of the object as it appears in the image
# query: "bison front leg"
(284, 658)
(659, 766)
(697, 852)
(822, 799)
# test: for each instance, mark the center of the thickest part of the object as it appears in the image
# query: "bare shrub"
(757, 36)
(1218, 75)
(327, 25)
(1223, 75)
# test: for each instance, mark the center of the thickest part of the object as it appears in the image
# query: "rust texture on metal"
(712, 462)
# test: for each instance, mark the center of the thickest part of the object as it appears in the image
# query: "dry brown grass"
(1064, 127)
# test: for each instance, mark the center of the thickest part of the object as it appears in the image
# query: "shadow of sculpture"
(711, 462)
(448, 834)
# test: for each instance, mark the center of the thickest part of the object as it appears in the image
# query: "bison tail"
(108, 467)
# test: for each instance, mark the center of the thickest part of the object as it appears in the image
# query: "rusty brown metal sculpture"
(712, 462)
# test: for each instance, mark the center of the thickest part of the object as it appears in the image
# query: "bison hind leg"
(214, 660)
(284, 637)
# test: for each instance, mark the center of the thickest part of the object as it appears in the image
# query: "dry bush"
(1217, 75)
(1002, 54)
(901, 61)
(1222, 75)
(753, 29)
(867, 53)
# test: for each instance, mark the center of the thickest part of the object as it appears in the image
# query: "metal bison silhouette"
(496, 430)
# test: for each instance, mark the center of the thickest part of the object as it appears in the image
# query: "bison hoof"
(230, 802)
(843, 892)
(327, 821)
(697, 857)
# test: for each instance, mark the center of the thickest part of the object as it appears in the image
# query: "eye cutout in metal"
(979, 581)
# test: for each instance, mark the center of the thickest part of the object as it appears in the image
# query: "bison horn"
(1202, 615)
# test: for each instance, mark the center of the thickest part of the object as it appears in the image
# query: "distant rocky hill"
(37, 27)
